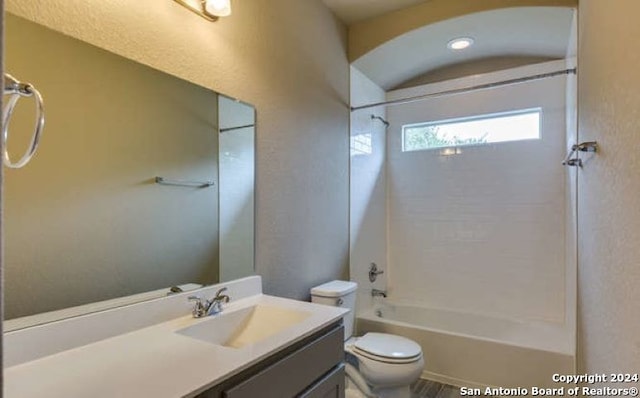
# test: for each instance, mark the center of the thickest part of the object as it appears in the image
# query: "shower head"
(381, 119)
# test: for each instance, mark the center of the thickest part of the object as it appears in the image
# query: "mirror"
(237, 176)
(87, 225)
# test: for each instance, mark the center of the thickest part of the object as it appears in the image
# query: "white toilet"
(377, 364)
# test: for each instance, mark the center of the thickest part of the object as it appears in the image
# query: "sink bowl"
(245, 326)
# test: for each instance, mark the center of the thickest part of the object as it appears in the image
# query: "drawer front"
(330, 386)
(294, 373)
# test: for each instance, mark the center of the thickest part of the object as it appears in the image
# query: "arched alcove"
(503, 38)
(366, 35)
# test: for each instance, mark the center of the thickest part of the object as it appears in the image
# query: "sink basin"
(245, 326)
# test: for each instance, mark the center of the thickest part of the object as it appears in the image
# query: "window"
(485, 129)
(361, 144)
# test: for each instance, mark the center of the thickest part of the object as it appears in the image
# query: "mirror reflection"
(86, 220)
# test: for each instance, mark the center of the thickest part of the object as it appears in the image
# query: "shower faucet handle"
(374, 272)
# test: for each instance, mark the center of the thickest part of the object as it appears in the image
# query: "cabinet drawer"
(330, 386)
(294, 373)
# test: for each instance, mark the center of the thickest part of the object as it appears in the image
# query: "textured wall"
(368, 188)
(482, 231)
(286, 57)
(84, 220)
(609, 188)
(1, 205)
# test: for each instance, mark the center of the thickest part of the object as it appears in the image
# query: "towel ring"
(16, 90)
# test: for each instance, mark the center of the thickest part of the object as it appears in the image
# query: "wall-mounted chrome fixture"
(590, 146)
(177, 183)
(374, 272)
(210, 10)
(15, 90)
(378, 293)
(374, 117)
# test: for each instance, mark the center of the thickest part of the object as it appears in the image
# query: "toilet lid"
(388, 346)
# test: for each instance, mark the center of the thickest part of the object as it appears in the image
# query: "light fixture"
(460, 43)
(210, 10)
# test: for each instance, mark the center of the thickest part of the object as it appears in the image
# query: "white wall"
(368, 189)
(286, 57)
(483, 231)
(609, 188)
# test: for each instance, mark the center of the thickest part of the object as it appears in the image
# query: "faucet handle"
(199, 310)
(374, 272)
(222, 297)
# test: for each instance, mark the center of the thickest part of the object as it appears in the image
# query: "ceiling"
(352, 11)
(518, 32)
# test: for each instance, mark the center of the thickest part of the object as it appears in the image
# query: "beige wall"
(1, 208)
(84, 220)
(288, 58)
(609, 188)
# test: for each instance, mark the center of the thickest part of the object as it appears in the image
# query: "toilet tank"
(338, 294)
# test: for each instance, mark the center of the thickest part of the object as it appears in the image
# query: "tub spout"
(378, 293)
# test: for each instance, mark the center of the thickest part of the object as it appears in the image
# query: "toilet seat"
(379, 374)
(387, 348)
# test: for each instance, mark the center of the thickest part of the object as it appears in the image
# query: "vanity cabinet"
(330, 386)
(311, 368)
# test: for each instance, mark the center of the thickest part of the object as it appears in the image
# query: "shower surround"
(478, 245)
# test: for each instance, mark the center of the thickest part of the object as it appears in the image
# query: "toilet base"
(352, 391)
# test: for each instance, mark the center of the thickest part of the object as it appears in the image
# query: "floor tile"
(449, 392)
(431, 389)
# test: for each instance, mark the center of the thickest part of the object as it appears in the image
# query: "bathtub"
(469, 350)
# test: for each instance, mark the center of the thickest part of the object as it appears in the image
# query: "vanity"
(258, 346)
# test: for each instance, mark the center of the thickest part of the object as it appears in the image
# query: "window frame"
(534, 110)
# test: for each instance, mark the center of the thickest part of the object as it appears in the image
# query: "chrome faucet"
(216, 303)
(209, 307)
(378, 293)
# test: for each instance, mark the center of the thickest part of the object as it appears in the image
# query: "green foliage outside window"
(425, 137)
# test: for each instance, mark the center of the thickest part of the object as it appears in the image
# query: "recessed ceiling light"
(460, 43)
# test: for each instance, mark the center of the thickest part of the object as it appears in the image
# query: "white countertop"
(156, 361)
